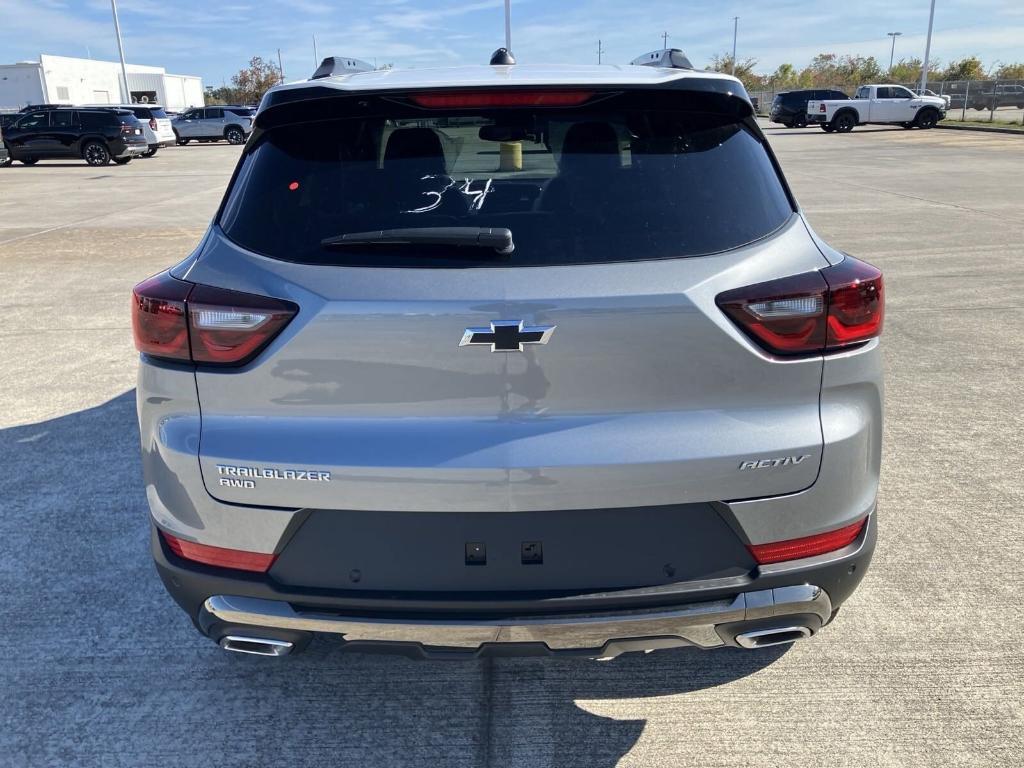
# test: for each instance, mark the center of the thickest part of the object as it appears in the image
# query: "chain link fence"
(993, 101)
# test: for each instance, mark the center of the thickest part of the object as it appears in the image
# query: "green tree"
(785, 76)
(1011, 71)
(969, 68)
(252, 82)
(744, 70)
(223, 95)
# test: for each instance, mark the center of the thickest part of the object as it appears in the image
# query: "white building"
(63, 80)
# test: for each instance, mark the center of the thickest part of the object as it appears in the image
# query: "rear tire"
(234, 135)
(180, 141)
(827, 128)
(800, 121)
(96, 153)
(844, 122)
(927, 118)
(149, 153)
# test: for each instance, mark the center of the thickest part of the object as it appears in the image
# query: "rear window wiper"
(499, 239)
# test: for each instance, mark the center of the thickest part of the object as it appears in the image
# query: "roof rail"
(339, 65)
(673, 58)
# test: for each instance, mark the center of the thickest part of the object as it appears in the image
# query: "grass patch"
(984, 124)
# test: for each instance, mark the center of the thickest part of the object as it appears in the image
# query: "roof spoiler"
(339, 65)
(673, 58)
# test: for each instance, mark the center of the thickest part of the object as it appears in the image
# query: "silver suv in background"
(230, 123)
(510, 359)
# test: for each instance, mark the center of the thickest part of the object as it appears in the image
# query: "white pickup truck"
(882, 104)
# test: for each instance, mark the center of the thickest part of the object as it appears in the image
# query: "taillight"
(510, 98)
(807, 546)
(152, 123)
(176, 320)
(821, 108)
(239, 559)
(231, 328)
(159, 317)
(811, 313)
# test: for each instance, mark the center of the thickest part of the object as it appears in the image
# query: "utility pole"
(664, 40)
(316, 59)
(735, 29)
(892, 53)
(120, 48)
(927, 49)
(508, 25)
(600, 51)
(280, 66)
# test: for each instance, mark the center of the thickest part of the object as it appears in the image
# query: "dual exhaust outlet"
(760, 638)
(257, 646)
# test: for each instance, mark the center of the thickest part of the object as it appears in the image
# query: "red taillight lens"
(808, 546)
(811, 313)
(856, 306)
(821, 108)
(159, 319)
(152, 123)
(231, 328)
(177, 320)
(511, 98)
(240, 560)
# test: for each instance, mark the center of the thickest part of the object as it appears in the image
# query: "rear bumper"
(601, 634)
(706, 614)
(127, 149)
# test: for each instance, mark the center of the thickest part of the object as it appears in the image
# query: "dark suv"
(790, 107)
(95, 135)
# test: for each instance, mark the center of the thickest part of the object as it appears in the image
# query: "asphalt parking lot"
(923, 667)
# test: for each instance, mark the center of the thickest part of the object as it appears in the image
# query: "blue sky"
(215, 39)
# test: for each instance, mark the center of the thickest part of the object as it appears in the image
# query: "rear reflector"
(819, 544)
(811, 313)
(511, 98)
(240, 560)
(181, 321)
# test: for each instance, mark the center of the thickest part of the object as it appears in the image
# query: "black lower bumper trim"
(191, 584)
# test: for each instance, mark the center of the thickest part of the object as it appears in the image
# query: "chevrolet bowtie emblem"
(507, 335)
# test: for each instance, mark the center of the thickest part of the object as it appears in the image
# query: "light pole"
(927, 49)
(735, 29)
(600, 51)
(508, 25)
(664, 40)
(120, 48)
(892, 53)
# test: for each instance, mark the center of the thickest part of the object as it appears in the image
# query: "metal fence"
(994, 101)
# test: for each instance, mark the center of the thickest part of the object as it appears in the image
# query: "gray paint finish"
(922, 668)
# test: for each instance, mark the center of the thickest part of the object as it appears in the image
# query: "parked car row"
(101, 133)
(834, 111)
(877, 105)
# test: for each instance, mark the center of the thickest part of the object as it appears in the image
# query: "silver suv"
(510, 359)
(206, 124)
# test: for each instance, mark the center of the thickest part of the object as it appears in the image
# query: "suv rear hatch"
(630, 212)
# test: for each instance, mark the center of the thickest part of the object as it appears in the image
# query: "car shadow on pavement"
(101, 668)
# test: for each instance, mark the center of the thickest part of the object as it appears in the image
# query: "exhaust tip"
(766, 638)
(257, 646)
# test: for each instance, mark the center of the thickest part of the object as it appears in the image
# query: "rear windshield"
(158, 113)
(583, 185)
